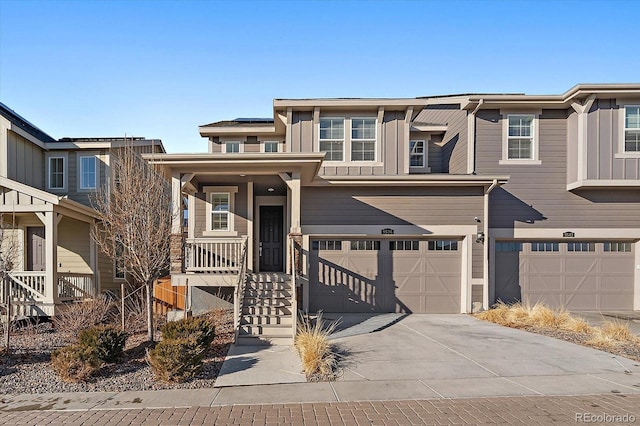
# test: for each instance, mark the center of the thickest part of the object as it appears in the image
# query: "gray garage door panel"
(418, 281)
(590, 280)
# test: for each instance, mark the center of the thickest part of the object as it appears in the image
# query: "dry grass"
(79, 316)
(539, 316)
(319, 360)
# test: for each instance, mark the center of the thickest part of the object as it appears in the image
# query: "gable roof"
(24, 124)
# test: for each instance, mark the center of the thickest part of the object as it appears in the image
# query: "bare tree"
(135, 214)
(9, 252)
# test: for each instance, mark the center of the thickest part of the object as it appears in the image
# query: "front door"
(271, 239)
(35, 248)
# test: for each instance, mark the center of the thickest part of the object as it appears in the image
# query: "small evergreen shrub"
(200, 329)
(176, 360)
(75, 363)
(107, 341)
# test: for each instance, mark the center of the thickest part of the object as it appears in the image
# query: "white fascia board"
(102, 144)
(604, 183)
(236, 130)
(428, 128)
(28, 136)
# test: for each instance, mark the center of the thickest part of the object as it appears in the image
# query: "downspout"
(487, 243)
(471, 139)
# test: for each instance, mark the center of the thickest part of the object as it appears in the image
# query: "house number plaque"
(387, 231)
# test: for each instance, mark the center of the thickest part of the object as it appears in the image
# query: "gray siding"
(390, 206)
(603, 130)
(25, 161)
(537, 193)
(454, 142)
(476, 293)
(73, 191)
(240, 215)
(477, 255)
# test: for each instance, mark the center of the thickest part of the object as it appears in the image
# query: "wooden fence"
(168, 297)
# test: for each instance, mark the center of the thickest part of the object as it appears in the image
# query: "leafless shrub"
(78, 316)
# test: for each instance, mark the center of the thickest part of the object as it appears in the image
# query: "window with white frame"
(632, 128)
(220, 211)
(520, 137)
(363, 139)
(271, 146)
(56, 172)
(417, 153)
(88, 172)
(332, 138)
(231, 147)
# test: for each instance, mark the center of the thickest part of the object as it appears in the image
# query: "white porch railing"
(28, 285)
(238, 297)
(214, 254)
(73, 286)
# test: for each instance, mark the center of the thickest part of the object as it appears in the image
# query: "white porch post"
(51, 220)
(295, 202)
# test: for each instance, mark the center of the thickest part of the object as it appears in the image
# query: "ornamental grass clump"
(319, 359)
(178, 357)
(612, 333)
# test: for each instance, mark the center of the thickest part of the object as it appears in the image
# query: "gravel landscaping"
(27, 368)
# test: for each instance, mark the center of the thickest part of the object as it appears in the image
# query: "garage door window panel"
(443, 245)
(365, 245)
(617, 247)
(577, 247)
(330, 245)
(545, 246)
(404, 245)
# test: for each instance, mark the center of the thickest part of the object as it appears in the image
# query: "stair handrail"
(14, 276)
(294, 297)
(241, 285)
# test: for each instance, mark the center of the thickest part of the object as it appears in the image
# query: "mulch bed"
(27, 367)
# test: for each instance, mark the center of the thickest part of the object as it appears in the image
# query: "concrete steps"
(267, 314)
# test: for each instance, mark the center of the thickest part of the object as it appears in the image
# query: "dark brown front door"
(271, 239)
(35, 248)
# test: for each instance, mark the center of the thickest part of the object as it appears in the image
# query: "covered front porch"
(47, 248)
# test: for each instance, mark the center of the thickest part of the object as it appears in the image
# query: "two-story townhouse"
(435, 204)
(45, 188)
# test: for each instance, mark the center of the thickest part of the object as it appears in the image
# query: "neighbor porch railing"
(238, 297)
(24, 290)
(294, 272)
(214, 254)
(73, 286)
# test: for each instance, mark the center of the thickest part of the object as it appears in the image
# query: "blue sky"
(161, 68)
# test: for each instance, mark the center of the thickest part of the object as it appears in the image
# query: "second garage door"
(414, 276)
(583, 275)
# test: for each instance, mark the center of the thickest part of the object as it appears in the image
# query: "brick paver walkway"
(611, 409)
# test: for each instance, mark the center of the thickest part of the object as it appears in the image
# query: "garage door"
(413, 276)
(584, 275)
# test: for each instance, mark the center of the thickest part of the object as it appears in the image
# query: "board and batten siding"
(74, 246)
(538, 193)
(603, 136)
(240, 211)
(454, 142)
(25, 161)
(391, 206)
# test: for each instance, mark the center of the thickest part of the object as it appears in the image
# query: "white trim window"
(56, 172)
(88, 172)
(271, 146)
(520, 141)
(331, 138)
(417, 151)
(632, 128)
(220, 210)
(232, 147)
(520, 137)
(363, 139)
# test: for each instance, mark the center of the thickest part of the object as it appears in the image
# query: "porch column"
(176, 224)
(294, 185)
(51, 220)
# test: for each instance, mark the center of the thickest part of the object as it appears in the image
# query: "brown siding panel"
(390, 206)
(240, 218)
(538, 193)
(25, 161)
(477, 263)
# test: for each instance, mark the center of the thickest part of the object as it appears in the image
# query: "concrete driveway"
(460, 356)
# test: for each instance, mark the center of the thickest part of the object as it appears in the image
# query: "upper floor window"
(88, 172)
(520, 137)
(231, 147)
(271, 146)
(417, 154)
(363, 139)
(332, 138)
(56, 172)
(632, 128)
(520, 142)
